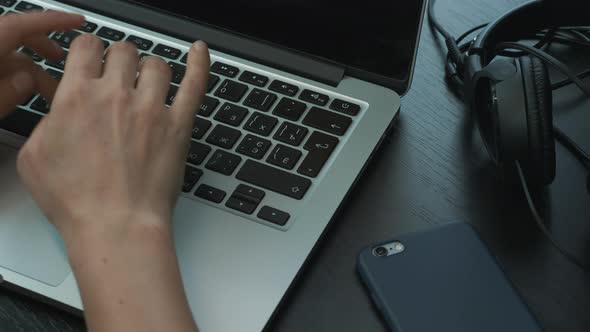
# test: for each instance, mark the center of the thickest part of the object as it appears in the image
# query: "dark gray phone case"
(445, 280)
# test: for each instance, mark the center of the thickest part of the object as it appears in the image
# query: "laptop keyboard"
(272, 136)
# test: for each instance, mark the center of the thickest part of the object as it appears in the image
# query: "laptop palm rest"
(29, 244)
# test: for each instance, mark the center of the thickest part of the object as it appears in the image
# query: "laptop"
(301, 95)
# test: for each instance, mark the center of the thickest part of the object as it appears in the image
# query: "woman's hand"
(106, 166)
(20, 78)
(109, 150)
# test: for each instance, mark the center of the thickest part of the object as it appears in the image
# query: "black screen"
(378, 36)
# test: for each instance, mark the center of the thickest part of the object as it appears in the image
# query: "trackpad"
(29, 244)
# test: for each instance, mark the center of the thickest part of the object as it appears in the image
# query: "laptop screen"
(376, 36)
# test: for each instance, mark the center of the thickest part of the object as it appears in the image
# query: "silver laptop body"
(236, 265)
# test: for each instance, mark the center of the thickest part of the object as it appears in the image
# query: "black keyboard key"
(197, 153)
(210, 193)
(291, 134)
(57, 75)
(320, 147)
(200, 128)
(167, 51)
(178, 72)
(290, 109)
(61, 64)
(284, 88)
(314, 97)
(20, 122)
(284, 157)
(327, 121)
(141, 43)
(184, 59)
(223, 162)
(88, 27)
(261, 124)
(242, 204)
(25, 103)
(24, 6)
(191, 177)
(31, 54)
(254, 147)
(40, 105)
(313, 164)
(213, 79)
(224, 137)
(171, 95)
(252, 193)
(7, 3)
(254, 79)
(345, 107)
(232, 91)
(65, 39)
(321, 141)
(106, 44)
(231, 114)
(273, 215)
(208, 106)
(1, 11)
(274, 179)
(110, 34)
(223, 69)
(260, 100)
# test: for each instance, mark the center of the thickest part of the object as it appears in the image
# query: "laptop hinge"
(220, 40)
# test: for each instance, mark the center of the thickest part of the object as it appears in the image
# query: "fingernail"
(23, 83)
(199, 45)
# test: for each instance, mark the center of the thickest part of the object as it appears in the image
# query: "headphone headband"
(521, 22)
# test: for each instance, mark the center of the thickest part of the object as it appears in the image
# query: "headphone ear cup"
(539, 165)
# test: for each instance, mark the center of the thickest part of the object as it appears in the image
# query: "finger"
(15, 30)
(14, 90)
(85, 58)
(192, 89)
(154, 79)
(44, 83)
(121, 64)
(45, 47)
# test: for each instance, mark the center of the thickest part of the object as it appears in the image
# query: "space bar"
(274, 179)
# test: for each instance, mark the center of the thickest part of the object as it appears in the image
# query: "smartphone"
(442, 280)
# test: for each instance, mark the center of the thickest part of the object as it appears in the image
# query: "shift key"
(274, 179)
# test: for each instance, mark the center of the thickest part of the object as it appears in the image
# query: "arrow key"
(273, 215)
(255, 195)
(210, 193)
(241, 203)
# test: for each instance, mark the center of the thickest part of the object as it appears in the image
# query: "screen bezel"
(401, 86)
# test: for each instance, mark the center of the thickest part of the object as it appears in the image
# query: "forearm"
(129, 279)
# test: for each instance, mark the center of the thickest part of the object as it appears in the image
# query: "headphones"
(506, 85)
(511, 97)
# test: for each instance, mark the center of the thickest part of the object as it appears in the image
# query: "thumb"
(14, 90)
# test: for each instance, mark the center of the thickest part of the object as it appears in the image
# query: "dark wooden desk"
(433, 170)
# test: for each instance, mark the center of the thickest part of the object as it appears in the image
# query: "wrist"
(87, 237)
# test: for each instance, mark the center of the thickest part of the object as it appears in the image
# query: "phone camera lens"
(380, 251)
